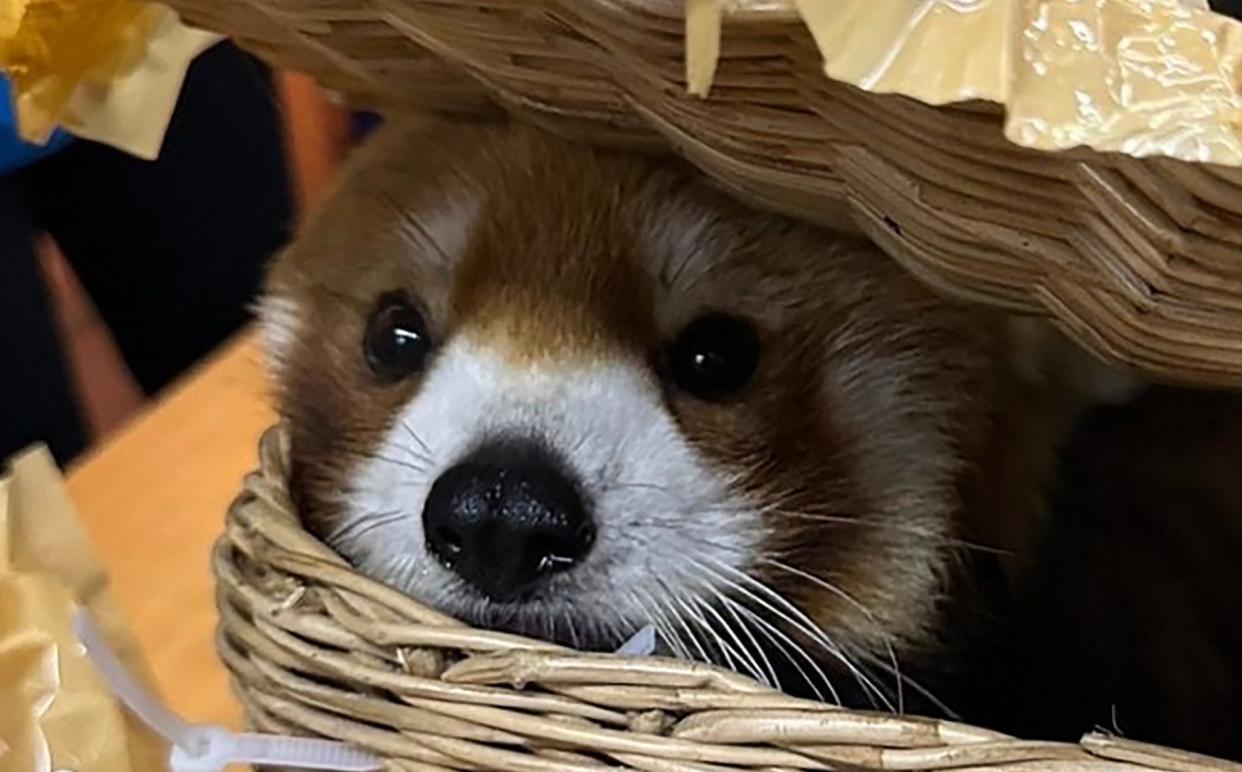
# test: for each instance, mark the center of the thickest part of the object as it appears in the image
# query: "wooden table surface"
(153, 498)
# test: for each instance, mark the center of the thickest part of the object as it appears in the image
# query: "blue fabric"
(14, 153)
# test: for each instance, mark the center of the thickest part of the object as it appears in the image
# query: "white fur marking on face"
(1043, 355)
(681, 241)
(658, 507)
(907, 467)
(280, 324)
(444, 230)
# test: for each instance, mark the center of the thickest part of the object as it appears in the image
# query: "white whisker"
(693, 616)
(361, 525)
(662, 624)
(744, 656)
(798, 619)
(685, 626)
(774, 680)
(782, 641)
(426, 451)
(789, 648)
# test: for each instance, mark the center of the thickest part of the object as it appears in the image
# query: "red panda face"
(564, 392)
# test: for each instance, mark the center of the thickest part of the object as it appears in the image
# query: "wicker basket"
(1139, 260)
(314, 648)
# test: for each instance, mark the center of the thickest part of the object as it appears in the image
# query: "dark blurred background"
(1228, 7)
(118, 274)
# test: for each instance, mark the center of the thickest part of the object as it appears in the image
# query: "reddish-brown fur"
(555, 273)
(561, 269)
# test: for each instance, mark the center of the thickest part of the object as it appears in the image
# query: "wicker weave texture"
(1139, 260)
(316, 649)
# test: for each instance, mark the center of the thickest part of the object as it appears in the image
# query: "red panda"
(568, 392)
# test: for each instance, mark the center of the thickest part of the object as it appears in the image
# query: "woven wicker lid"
(314, 648)
(1139, 260)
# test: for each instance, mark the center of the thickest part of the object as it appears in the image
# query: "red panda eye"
(714, 357)
(396, 342)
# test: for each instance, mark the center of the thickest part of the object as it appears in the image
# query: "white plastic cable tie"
(211, 748)
(640, 644)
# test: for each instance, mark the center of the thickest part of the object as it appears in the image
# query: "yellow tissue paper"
(56, 713)
(1139, 77)
(108, 70)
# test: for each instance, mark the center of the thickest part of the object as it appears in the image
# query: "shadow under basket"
(317, 649)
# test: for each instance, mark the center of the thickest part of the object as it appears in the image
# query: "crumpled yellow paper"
(56, 712)
(107, 70)
(1139, 77)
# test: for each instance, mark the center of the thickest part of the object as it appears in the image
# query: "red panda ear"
(1044, 356)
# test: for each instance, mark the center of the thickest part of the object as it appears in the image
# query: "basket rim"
(315, 648)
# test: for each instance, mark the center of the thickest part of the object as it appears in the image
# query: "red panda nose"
(507, 518)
